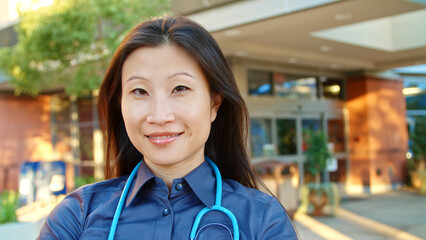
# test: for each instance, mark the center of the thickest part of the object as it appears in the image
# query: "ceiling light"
(343, 16)
(335, 66)
(411, 91)
(241, 53)
(333, 89)
(325, 48)
(293, 60)
(232, 33)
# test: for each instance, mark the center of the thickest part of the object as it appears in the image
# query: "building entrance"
(281, 137)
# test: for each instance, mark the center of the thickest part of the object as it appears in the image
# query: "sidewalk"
(394, 215)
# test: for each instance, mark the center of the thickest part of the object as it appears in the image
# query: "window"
(311, 124)
(260, 83)
(86, 128)
(415, 92)
(72, 136)
(336, 134)
(332, 89)
(261, 139)
(61, 124)
(286, 136)
(294, 86)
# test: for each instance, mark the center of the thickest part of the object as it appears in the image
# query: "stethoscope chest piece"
(216, 207)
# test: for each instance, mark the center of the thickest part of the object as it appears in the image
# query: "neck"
(170, 172)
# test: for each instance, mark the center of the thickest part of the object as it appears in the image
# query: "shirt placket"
(165, 219)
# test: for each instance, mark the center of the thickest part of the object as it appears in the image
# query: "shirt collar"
(143, 175)
(201, 180)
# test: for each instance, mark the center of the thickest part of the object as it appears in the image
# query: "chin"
(163, 159)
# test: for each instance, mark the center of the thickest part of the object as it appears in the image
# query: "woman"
(170, 102)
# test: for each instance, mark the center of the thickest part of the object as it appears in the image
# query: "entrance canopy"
(327, 34)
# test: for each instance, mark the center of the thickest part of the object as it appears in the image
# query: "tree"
(418, 146)
(418, 138)
(69, 44)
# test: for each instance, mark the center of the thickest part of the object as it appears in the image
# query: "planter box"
(319, 199)
(418, 179)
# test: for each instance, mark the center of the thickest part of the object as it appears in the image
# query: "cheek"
(198, 116)
(125, 112)
(131, 115)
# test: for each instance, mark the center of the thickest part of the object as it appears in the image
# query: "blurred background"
(336, 92)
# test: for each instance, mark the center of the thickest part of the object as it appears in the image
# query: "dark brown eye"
(139, 91)
(180, 88)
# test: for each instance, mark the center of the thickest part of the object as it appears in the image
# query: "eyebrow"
(171, 76)
(135, 77)
(181, 73)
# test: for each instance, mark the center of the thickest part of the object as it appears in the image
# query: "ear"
(216, 102)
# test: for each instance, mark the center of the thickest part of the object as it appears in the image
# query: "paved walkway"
(394, 215)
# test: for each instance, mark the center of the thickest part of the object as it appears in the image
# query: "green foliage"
(418, 140)
(84, 180)
(70, 42)
(317, 152)
(8, 206)
(416, 164)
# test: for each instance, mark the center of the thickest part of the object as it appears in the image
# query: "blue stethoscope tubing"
(217, 206)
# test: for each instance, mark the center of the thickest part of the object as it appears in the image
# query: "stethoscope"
(216, 207)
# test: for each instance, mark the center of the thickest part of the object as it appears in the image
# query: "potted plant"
(417, 162)
(318, 198)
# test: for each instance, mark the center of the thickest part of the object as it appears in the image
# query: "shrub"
(8, 206)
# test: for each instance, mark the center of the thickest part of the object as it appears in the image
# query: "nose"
(160, 111)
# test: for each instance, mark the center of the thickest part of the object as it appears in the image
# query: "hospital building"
(354, 69)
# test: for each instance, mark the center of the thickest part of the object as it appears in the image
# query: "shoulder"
(252, 200)
(272, 220)
(111, 185)
(67, 219)
(250, 194)
(85, 197)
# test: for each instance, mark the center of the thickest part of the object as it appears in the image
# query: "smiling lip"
(163, 138)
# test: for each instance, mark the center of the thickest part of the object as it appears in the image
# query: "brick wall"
(25, 135)
(378, 137)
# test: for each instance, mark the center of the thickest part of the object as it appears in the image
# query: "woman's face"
(167, 107)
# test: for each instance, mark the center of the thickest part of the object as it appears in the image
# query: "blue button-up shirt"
(151, 213)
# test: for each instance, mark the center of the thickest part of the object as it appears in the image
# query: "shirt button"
(179, 186)
(166, 212)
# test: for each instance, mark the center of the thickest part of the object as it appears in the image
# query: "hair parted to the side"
(227, 141)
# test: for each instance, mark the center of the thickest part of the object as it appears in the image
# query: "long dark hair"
(227, 141)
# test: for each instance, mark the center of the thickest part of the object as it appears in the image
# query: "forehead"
(160, 58)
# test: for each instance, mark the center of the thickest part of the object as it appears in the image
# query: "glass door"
(286, 136)
(281, 137)
(261, 137)
(309, 123)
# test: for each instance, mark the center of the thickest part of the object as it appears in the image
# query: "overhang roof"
(380, 34)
